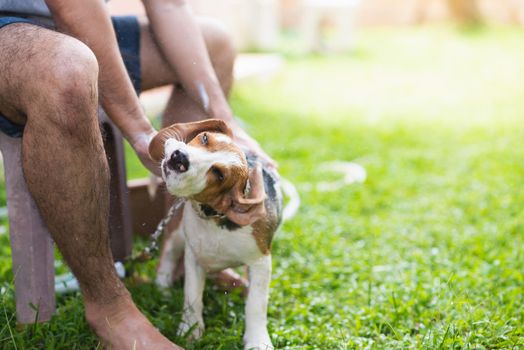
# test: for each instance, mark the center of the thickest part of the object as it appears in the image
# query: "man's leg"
(49, 82)
(157, 72)
(180, 107)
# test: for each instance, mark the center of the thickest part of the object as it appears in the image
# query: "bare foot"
(121, 326)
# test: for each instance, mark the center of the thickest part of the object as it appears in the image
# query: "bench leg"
(31, 244)
(120, 229)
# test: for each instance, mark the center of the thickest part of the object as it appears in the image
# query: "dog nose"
(179, 161)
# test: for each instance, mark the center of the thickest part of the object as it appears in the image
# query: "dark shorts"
(127, 32)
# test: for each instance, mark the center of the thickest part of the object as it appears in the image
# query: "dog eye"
(204, 139)
(219, 175)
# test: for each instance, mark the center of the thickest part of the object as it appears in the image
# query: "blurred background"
(258, 24)
(333, 20)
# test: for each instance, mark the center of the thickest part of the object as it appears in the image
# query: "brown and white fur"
(234, 208)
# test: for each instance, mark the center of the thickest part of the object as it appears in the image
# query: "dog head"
(201, 162)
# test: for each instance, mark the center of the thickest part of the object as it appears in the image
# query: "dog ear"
(246, 208)
(184, 132)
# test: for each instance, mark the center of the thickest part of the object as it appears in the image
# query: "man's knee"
(70, 84)
(220, 46)
(73, 73)
(43, 69)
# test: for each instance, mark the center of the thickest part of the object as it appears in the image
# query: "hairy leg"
(62, 152)
(49, 82)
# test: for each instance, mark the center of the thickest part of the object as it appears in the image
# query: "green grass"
(427, 253)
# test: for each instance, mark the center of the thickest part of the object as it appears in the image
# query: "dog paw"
(261, 342)
(259, 346)
(193, 330)
(163, 281)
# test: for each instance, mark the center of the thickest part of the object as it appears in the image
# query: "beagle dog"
(232, 211)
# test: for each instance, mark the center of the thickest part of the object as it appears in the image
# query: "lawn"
(427, 253)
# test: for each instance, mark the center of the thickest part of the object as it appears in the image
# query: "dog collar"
(205, 212)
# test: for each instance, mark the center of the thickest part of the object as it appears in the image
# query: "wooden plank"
(31, 244)
(120, 228)
(146, 212)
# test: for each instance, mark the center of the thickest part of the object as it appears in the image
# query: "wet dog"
(233, 209)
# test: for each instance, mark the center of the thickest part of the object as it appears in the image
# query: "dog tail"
(291, 207)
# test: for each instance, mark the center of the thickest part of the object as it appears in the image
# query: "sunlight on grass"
(427, 253)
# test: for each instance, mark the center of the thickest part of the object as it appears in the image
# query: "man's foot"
(121, 326)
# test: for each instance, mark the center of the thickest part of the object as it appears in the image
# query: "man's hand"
(140, 144)
(246, 142)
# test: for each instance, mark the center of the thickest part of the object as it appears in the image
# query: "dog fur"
(233, 209)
